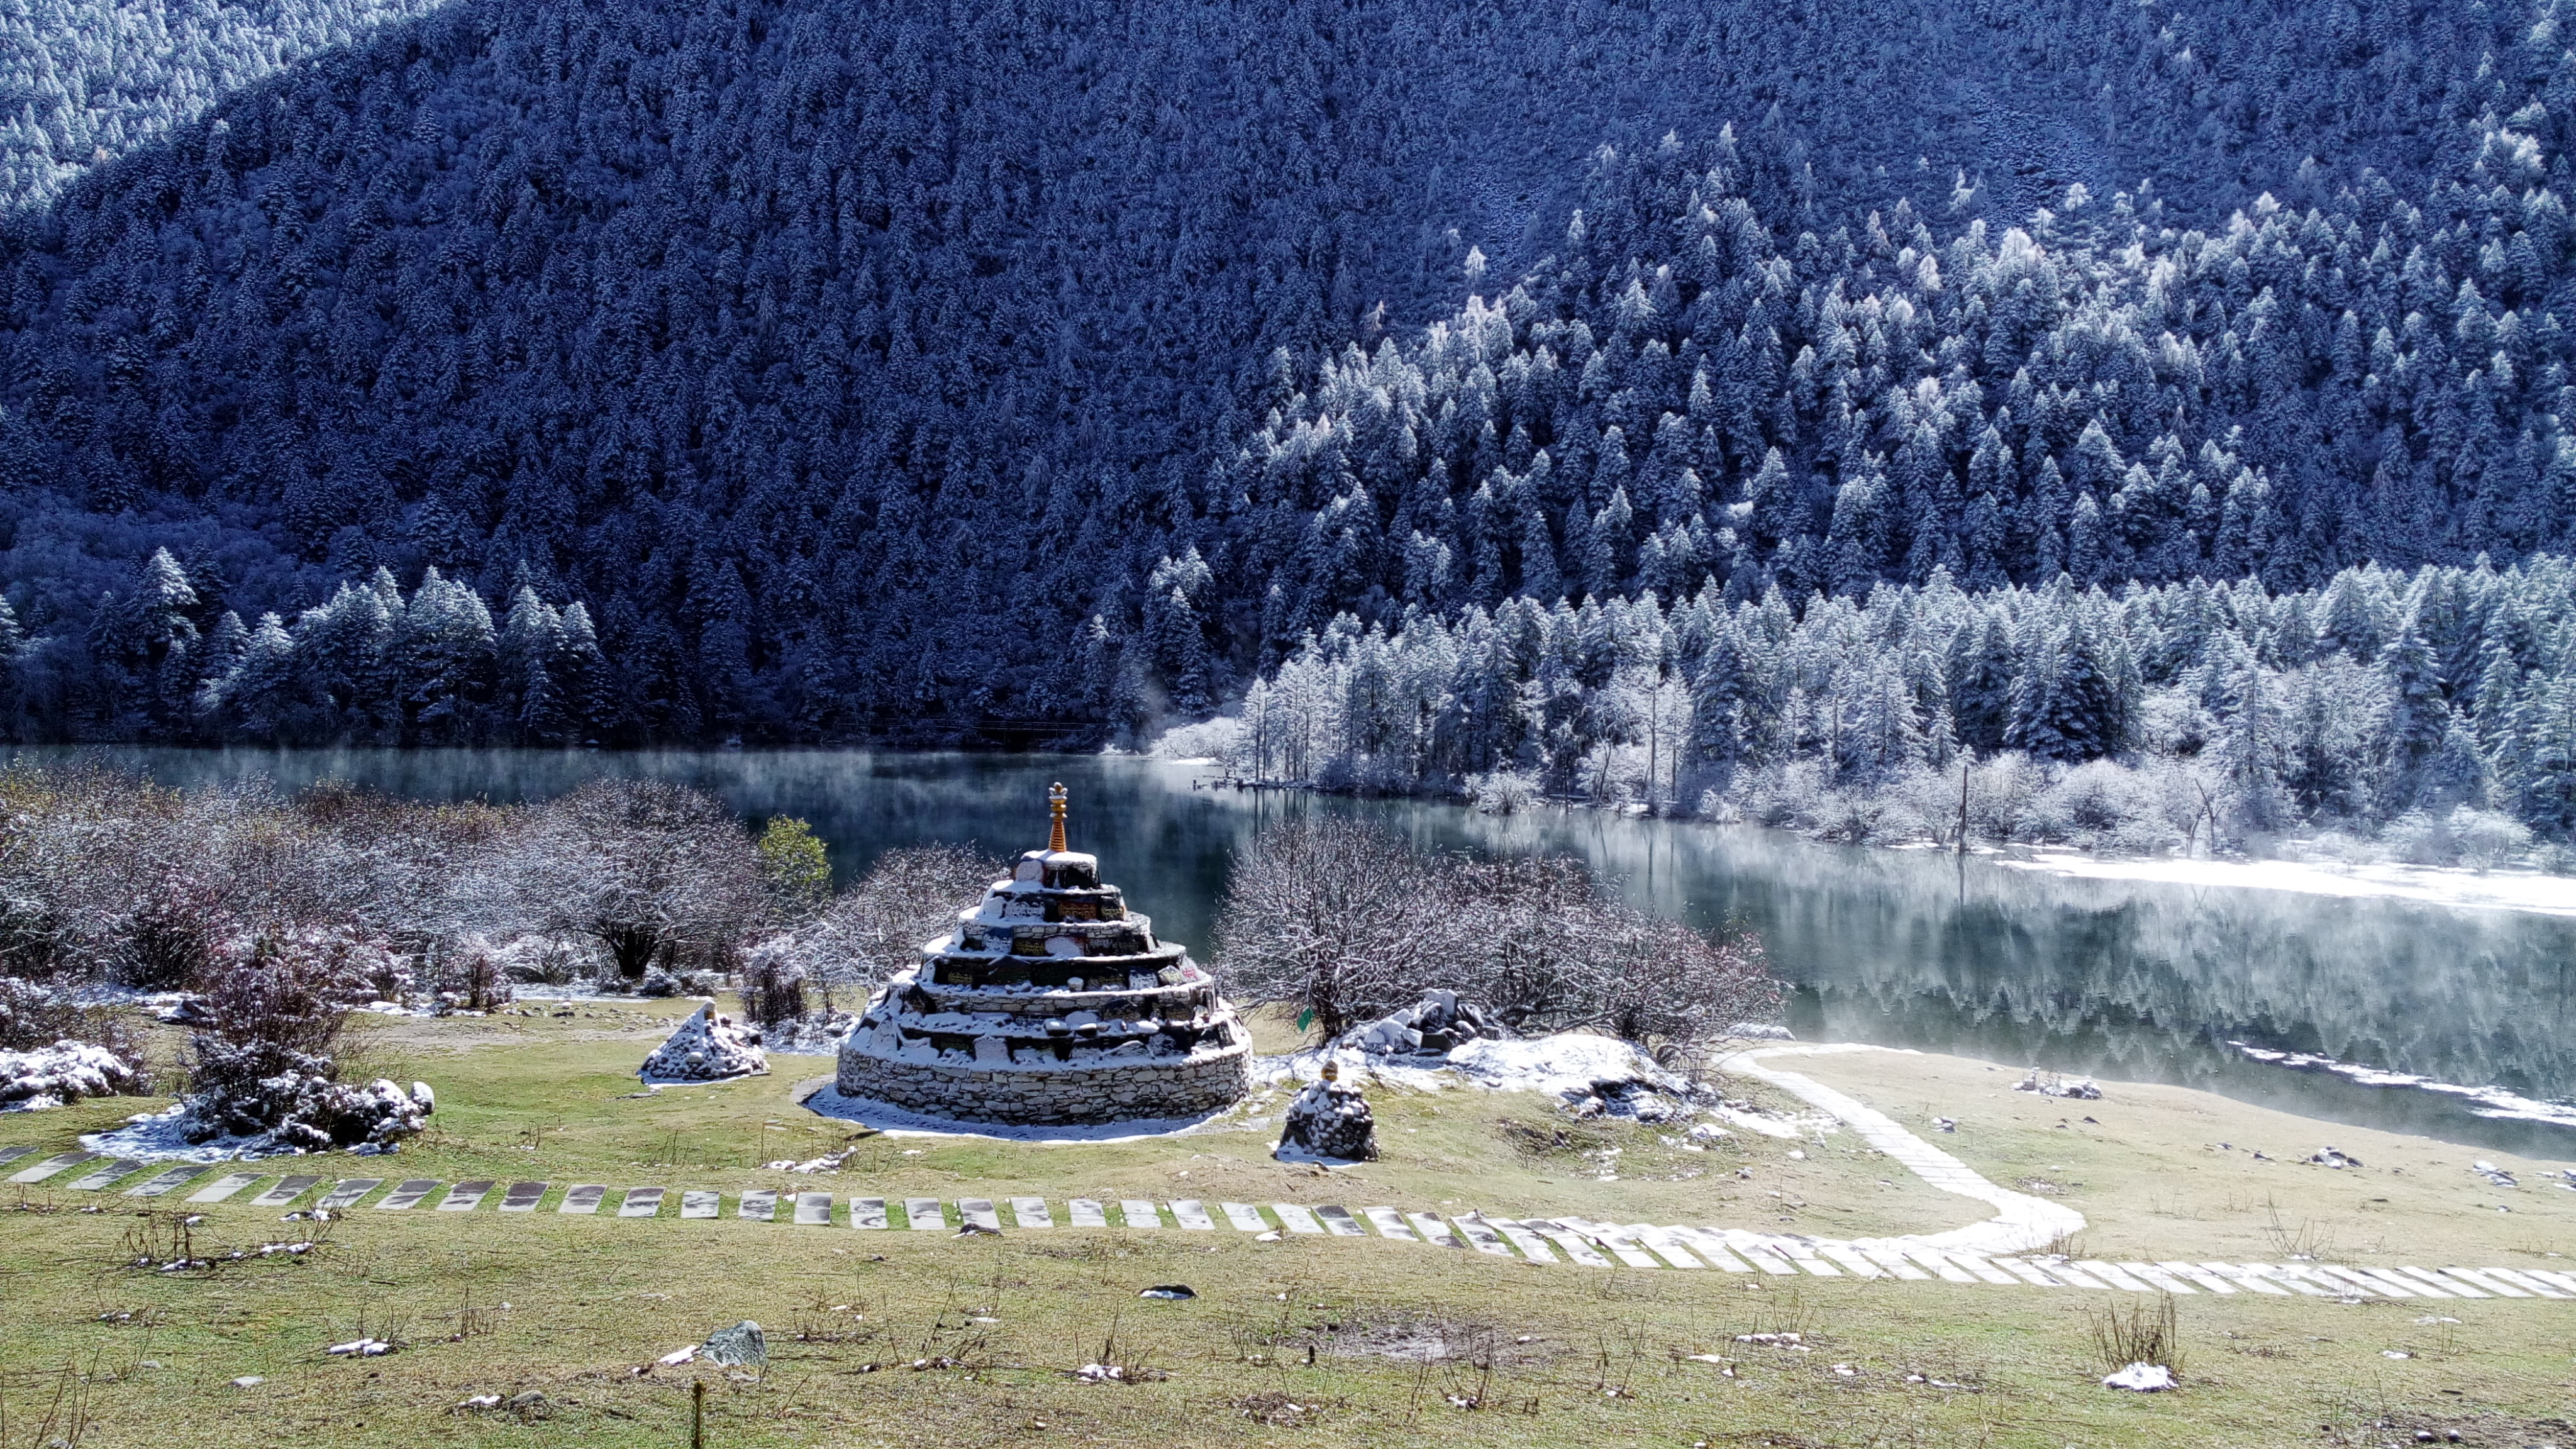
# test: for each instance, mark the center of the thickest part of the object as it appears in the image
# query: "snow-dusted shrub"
(2002, 791)
(2486, 839)
(65, 1072)
(2096, 800)
(266, 1064)
(1219, 739)
(876, 927)
(2421, 839)
(1502, 792)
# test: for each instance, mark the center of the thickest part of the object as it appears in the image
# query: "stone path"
(1561, 1240)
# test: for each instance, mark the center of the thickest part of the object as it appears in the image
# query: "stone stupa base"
(1045, 1095)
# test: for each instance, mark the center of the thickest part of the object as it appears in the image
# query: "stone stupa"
(1050, 1003)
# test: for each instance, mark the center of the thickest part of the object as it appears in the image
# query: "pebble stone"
(465, 1197)
(813, 1209)
(923, 1214)
(223, 1187)
(582, 1199)
(1083, 1212)
(695, 1203)
(287, 1190)
(1138, 1213)
(407, 1194)
(346, 1194)
(523, 1197)
(641, 1202)
(1244, 1216)
(760, 1205)
(868, 1212)
(1190, 1213)
(1296, 1219)
(1031, 1212)
(52, 1165)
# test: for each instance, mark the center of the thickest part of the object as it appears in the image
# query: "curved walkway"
(2021, 1224)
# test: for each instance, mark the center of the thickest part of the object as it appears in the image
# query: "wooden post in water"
(1962, 847)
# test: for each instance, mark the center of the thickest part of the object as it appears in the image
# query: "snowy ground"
(2505, 889)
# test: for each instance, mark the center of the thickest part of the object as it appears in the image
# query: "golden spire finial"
(1055, 809)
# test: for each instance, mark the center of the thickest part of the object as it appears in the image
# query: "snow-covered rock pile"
(1328, 1121)
(816, 1035)
(2050, 1084)
(1595, 1075)
(1433, 1027)
(707, 1048)
(300, 1109)
(67, 1071)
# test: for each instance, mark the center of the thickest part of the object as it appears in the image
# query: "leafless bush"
(876, 927)
(656, 873)
(268, 1059)
(1352, 923)
(2139, 1333)
(773, 986)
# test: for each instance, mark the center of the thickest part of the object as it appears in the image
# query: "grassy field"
(1358, 1341)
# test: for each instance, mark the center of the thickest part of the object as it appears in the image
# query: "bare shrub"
(877, 926)
(1352, 923)
(267, 1061)
(2124, 1334)
(656, 873)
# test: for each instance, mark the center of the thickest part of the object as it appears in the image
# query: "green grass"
(1374, 1342)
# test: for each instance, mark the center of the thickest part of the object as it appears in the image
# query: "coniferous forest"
(1777, 409)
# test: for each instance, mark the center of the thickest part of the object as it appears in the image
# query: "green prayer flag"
(1306, 1018)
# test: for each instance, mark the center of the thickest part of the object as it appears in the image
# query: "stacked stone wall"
(1051, 1096)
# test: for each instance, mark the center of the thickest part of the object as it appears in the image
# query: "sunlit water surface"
(2128, 980)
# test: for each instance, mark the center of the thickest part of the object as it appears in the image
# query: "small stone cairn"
(1328, 1121)
(1050, 1003)
(708, 1047)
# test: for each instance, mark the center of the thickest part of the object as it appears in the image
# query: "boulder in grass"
(707, 1048)
(65, 1072)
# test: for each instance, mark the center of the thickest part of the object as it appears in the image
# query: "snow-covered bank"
(2507, 889)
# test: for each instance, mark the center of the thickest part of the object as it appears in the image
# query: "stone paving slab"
(641, 1202)
(1711, 1248)
(168, 1180)
(760, 1205)
(582, 1198)
(1084, 1212)
(103, 1174)
(1244, 1217)
(11, 1154)
(1031, 1212)
(2026, 1273)
(977, 1212)
(465, 1197)
(1190, 1213)
(1666, 1245)
(2554, 1278)
(2489, 1282)
(1388, 1222)
(1891, 1260)
(1480, 1235)
(2198, 1276)
(223, 1187)
(698, 1203)
(1433, 1230)
(1296, 1219)
(869, 1213)
(1756, 1249)
(287, 1190)
(1136, 1212)
(407, 1194)
(53, 1165)
(1532, 1246)
(523, 1197)
(2524, 1281)
(813, 1209)
(1803, 1256)
(2245, 1280)
(1339, 1222)
(345, 1194)
(923, 1214)
(1569, 1243)
(1850, 1260)
(2432, 1285)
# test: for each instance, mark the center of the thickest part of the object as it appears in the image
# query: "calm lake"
(2119, 979)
